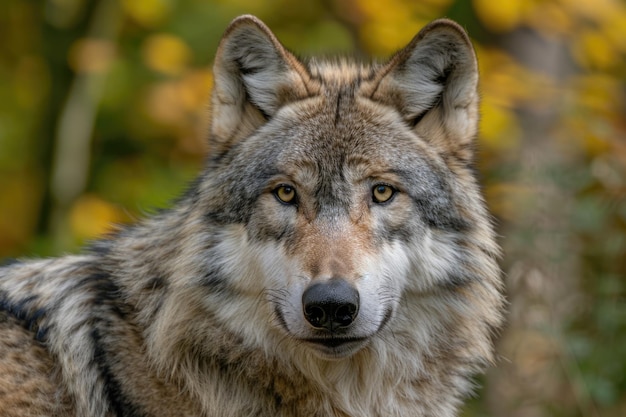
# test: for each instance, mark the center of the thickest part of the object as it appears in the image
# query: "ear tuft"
(433, 84)
(254, 77)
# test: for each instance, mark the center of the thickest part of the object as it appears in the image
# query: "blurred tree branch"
(72, 151)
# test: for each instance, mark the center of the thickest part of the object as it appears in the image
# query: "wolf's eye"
(381, 193)
(285, 194)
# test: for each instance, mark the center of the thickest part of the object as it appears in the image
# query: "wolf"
(334, 258)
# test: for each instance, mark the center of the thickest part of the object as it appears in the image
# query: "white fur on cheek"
(433, 261)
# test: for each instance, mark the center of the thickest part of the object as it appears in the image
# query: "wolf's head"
(345, 193)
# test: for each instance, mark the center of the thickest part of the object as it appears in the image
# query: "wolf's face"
(350, 180)
(343, 200)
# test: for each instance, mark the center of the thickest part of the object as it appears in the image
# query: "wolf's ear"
(433, 84)
(254, 76)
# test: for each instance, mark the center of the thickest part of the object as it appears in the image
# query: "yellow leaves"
(595, 145)
(389, 25)
(560, 17)
(599, 94)
(597, 10)
(91, 216)
(172, 102)
(182, 107)
(615, 30)
(504, 86)
(195, 88)
(500, 16)
(91, 55)
(593, 50)
(587, 110)
(499, 129)
(147, 12)
(550, 18)
(597, 29)
(602, 47)
(386, 39)
(503, 80)
(258, 8)
(596, 114)
(508, 199)
(166, 53)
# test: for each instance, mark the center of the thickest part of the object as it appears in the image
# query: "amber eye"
(381, 193)
(285, 194)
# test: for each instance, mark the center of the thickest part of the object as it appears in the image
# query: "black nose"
(331, 305)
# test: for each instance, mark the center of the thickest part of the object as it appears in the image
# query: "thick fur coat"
(335, 257)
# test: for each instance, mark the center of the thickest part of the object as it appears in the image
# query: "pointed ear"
(254, 76)
(433, 84)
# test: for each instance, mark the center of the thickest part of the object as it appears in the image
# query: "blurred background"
(104, 109)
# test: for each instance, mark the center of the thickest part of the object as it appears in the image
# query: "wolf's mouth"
(335, 342)
(336, 347)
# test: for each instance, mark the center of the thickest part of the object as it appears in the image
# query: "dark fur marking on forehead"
(345, 96)
(332, 193)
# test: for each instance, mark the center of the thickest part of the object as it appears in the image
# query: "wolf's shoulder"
(48, 277)
(39, 293)
(29, 378)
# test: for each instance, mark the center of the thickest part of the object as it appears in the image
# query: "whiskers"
(390, 298)
(277, 299)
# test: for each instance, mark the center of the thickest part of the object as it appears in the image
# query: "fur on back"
(319, 172)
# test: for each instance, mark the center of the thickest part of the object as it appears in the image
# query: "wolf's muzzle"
(330, 305)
